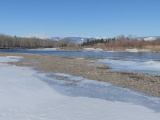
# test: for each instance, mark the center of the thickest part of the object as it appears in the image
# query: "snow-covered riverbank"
(26, 97)
(133, 65)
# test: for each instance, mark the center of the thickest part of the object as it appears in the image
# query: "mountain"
(78, 40)
(149, 38)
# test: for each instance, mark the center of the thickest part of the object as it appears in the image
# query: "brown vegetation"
(153, 48)
(8, 42)
(139, 44)
(122, 43)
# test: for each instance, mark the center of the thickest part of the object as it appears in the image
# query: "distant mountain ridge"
(149, 38)
(80, 40)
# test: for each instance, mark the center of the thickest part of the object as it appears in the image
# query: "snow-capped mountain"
(78, 40)
(149, 38)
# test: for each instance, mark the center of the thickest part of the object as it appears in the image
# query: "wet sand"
(87, 68)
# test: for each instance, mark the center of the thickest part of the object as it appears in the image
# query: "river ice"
(28, 95)
(133, 65)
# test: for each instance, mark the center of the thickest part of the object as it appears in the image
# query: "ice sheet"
(25, 97)
(79, 86)
(133, 65)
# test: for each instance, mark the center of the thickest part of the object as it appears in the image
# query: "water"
(131, 55)
(121, 61)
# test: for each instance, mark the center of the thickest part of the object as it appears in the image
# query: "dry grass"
(153, 48)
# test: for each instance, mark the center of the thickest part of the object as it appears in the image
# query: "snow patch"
(11, 59)
(137, 50)
(45, 49)
(150, 38)
(145, 66)
(93, 49)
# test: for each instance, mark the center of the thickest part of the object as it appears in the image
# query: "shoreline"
(142, 82)
(91, 49)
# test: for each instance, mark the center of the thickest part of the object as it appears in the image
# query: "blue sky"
(89, 18)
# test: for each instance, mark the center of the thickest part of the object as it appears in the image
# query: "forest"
(116, 43)
(10, 42)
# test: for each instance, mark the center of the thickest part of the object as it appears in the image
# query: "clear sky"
(89, 18)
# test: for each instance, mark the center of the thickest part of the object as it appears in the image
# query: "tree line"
(96, 41)
(10, 42)
(121, 42)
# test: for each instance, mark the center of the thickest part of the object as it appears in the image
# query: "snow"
(80, 58)
(23, 96)
(131, 50)
(150, 38)
(137, 50)
(137, 65)
(45, 49)
(93, 49)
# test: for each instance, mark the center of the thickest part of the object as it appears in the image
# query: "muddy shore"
(89, 69)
